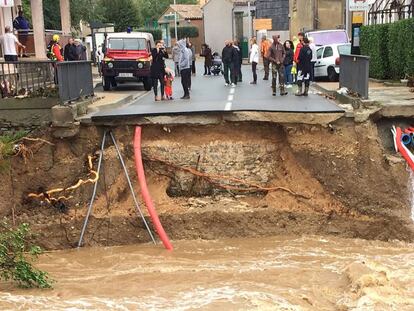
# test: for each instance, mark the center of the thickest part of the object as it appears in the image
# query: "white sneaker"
(289, 86)
(226, 84)
(233, 84)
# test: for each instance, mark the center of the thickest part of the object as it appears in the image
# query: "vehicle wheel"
(106, 83)
(147, 84)
(332, 75)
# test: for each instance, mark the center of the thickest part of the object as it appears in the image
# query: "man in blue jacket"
(184, 65)
(22, 26)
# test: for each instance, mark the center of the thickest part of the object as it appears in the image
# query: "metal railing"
(389, 11)
(75, 80)
(354, 75)
(40, 78)
(25, 78)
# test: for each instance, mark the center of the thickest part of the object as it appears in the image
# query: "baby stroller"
(217, 66)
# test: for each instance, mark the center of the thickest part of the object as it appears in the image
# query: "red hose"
(145, 192)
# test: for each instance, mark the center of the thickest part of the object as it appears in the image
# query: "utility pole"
(347, 16)
(175, 23)
(250, 25)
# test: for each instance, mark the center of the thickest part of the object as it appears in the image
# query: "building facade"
(228, 20)
(187, 15)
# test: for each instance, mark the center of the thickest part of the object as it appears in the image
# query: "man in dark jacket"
(237, 62)
(276, 56)
(227, 58)
(22, 26)
(69, 52)
(304, 67)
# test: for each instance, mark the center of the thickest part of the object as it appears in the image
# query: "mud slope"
(336, 180)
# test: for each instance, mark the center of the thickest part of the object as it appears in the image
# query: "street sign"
(263, 24)
(359, 5)
(6, 3)
(358, 17)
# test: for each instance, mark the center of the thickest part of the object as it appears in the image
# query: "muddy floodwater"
(281, 273)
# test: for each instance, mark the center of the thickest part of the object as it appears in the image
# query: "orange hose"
(145, 192)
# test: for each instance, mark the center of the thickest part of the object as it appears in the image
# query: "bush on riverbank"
(17, 255)
(390, 49)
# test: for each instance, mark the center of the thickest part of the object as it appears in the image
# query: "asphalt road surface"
(209, 94)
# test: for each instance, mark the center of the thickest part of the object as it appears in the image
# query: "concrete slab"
(210, 95)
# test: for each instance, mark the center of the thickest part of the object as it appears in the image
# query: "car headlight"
(110, 65)
(140, 65)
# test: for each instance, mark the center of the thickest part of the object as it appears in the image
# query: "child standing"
(168, 80)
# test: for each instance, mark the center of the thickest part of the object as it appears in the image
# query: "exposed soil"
(343, 180)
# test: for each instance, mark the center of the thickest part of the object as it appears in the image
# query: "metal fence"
(354, 75)
(25, 78)
(389, 11)
(75, 80)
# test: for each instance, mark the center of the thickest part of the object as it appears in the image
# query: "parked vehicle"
(127, 58)
(328, 61)
(326, 37)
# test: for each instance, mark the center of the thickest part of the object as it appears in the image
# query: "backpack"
(49, 51)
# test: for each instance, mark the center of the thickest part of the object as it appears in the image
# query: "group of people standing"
(184, 62)
(289, 62)
(232, 58)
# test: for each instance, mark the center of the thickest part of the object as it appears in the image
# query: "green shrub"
(374, 43)
(156, 33)
(17, 255)
(390, 47)
(184, 32)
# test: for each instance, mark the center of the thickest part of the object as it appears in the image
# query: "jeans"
(193, 67)
(278, 70)
(237, 75)
(228, 72)
(266, 64)
(312, 73)
(288, 74)
(186, 80)
(155, 84)
(207, 70)
(254, 70)
(177, 70)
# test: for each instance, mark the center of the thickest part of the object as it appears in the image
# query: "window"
(344, 49)
(328, 37)
(328, 52)
(319, 53)
(127, 44)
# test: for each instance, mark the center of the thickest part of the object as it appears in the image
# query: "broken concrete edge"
(125, 101)
(28, 103)
(322, 119)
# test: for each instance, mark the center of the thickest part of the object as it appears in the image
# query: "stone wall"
(277, 10)
(25, 113)
(251, 160)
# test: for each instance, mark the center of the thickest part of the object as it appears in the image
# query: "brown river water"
(277, 273)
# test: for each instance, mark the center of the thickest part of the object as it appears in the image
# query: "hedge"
(184, 32)
(390, 47)
(156, 33)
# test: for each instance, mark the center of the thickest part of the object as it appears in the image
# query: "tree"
(86, 10)
(123, 13)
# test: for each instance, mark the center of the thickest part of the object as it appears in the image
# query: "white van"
(327, 37)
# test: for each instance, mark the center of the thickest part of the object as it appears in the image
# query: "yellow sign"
(263, 24)
(357, 17)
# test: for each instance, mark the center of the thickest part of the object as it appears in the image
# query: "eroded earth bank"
(231, 180)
